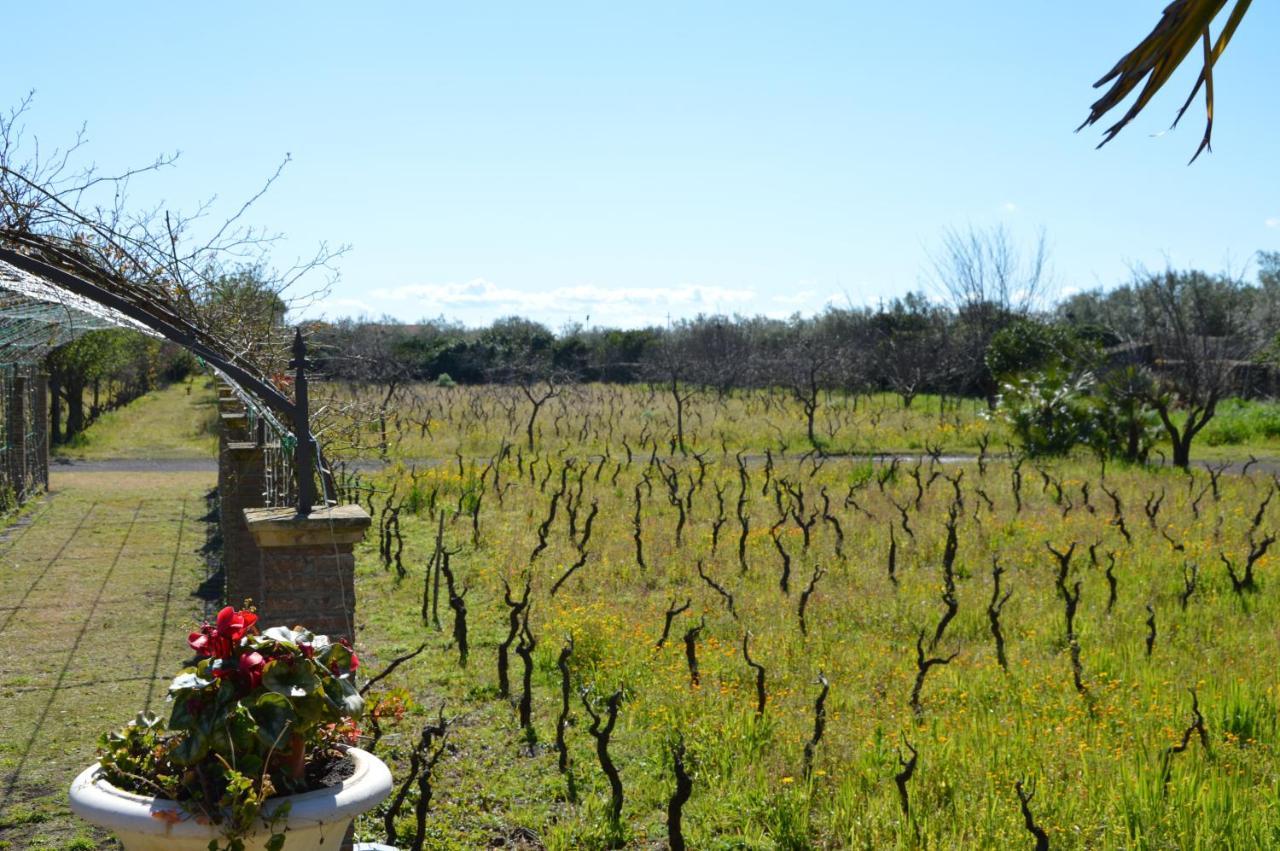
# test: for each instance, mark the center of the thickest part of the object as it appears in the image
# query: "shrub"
(1027, 345)
(1049, 413)
(1227, 431)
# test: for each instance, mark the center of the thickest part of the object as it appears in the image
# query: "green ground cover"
(1097, 752)
(100, 581)
(425, 422)
(178, 421)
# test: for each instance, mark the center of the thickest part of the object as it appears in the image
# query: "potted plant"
(257, 752)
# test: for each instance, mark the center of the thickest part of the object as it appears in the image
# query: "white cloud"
(335, 306)
(1273, 222)
(479, 292)
(480, 301)
(800, 297)
(1009, 207)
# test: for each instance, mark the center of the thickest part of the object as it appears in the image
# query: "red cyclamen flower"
(219, 641)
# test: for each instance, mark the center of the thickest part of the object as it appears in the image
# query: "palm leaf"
(1149, 66)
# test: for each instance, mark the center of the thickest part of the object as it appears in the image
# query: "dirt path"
(135, 465)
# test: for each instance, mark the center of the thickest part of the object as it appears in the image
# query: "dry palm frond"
(1154, 60)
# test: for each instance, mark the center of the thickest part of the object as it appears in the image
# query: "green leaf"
(284, 635)
(345, 695)
(191, 748)
(274, 716)
(189, 679)
(334, 656)
(291, 680)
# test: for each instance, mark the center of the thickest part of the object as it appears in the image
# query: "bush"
(1049, 413)
(444, 380)
(1052, 412)
(1028, 345)
(1238, 421)
(1227, 431)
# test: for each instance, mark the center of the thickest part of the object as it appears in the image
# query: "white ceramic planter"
(317, 821)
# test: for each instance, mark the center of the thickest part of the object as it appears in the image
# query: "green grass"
(426, 422)
(1095, 760)
(98, 592)
(178, 421)
(433, 422)
(1242, 428)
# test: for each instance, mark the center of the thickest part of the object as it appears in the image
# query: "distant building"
(1247, 379)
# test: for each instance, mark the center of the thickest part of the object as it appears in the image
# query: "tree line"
(1153, 356)
(103, 370)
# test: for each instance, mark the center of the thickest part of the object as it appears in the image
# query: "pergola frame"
(91, 306)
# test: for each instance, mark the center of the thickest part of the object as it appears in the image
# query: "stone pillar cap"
(283, 527)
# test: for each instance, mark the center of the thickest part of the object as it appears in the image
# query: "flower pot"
(317, 820)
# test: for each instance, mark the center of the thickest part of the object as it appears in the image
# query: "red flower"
(355, 661)
(235, 625)
(251, 665)
(201, 641)
(220, 640)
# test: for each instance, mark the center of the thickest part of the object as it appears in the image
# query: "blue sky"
(630, 162)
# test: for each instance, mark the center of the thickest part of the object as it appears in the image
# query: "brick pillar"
(16, 435)
(228, 402)
(235, 427)
(240, 486)
(308, 566)
(42, 428)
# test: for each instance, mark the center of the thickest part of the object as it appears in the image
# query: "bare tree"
(372, 353)
(674, 368)
(1198, 327)
(988, 281)
(61, 211)
(911, 347)
(807, 365)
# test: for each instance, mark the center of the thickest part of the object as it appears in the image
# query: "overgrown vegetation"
(930, 699)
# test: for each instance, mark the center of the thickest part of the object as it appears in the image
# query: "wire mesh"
(24, 458)
(36, 317)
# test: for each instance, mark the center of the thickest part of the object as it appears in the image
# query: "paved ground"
(100, 582)
(136, 465)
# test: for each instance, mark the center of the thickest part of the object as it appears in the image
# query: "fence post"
(16, 434)
(41, 402)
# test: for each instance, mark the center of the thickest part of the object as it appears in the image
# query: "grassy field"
(1096, 742)
(1093, 741)
(426, 422)
(100, 581)
(178, 421)
(433, 422)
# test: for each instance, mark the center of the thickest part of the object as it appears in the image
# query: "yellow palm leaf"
(1153, 61)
